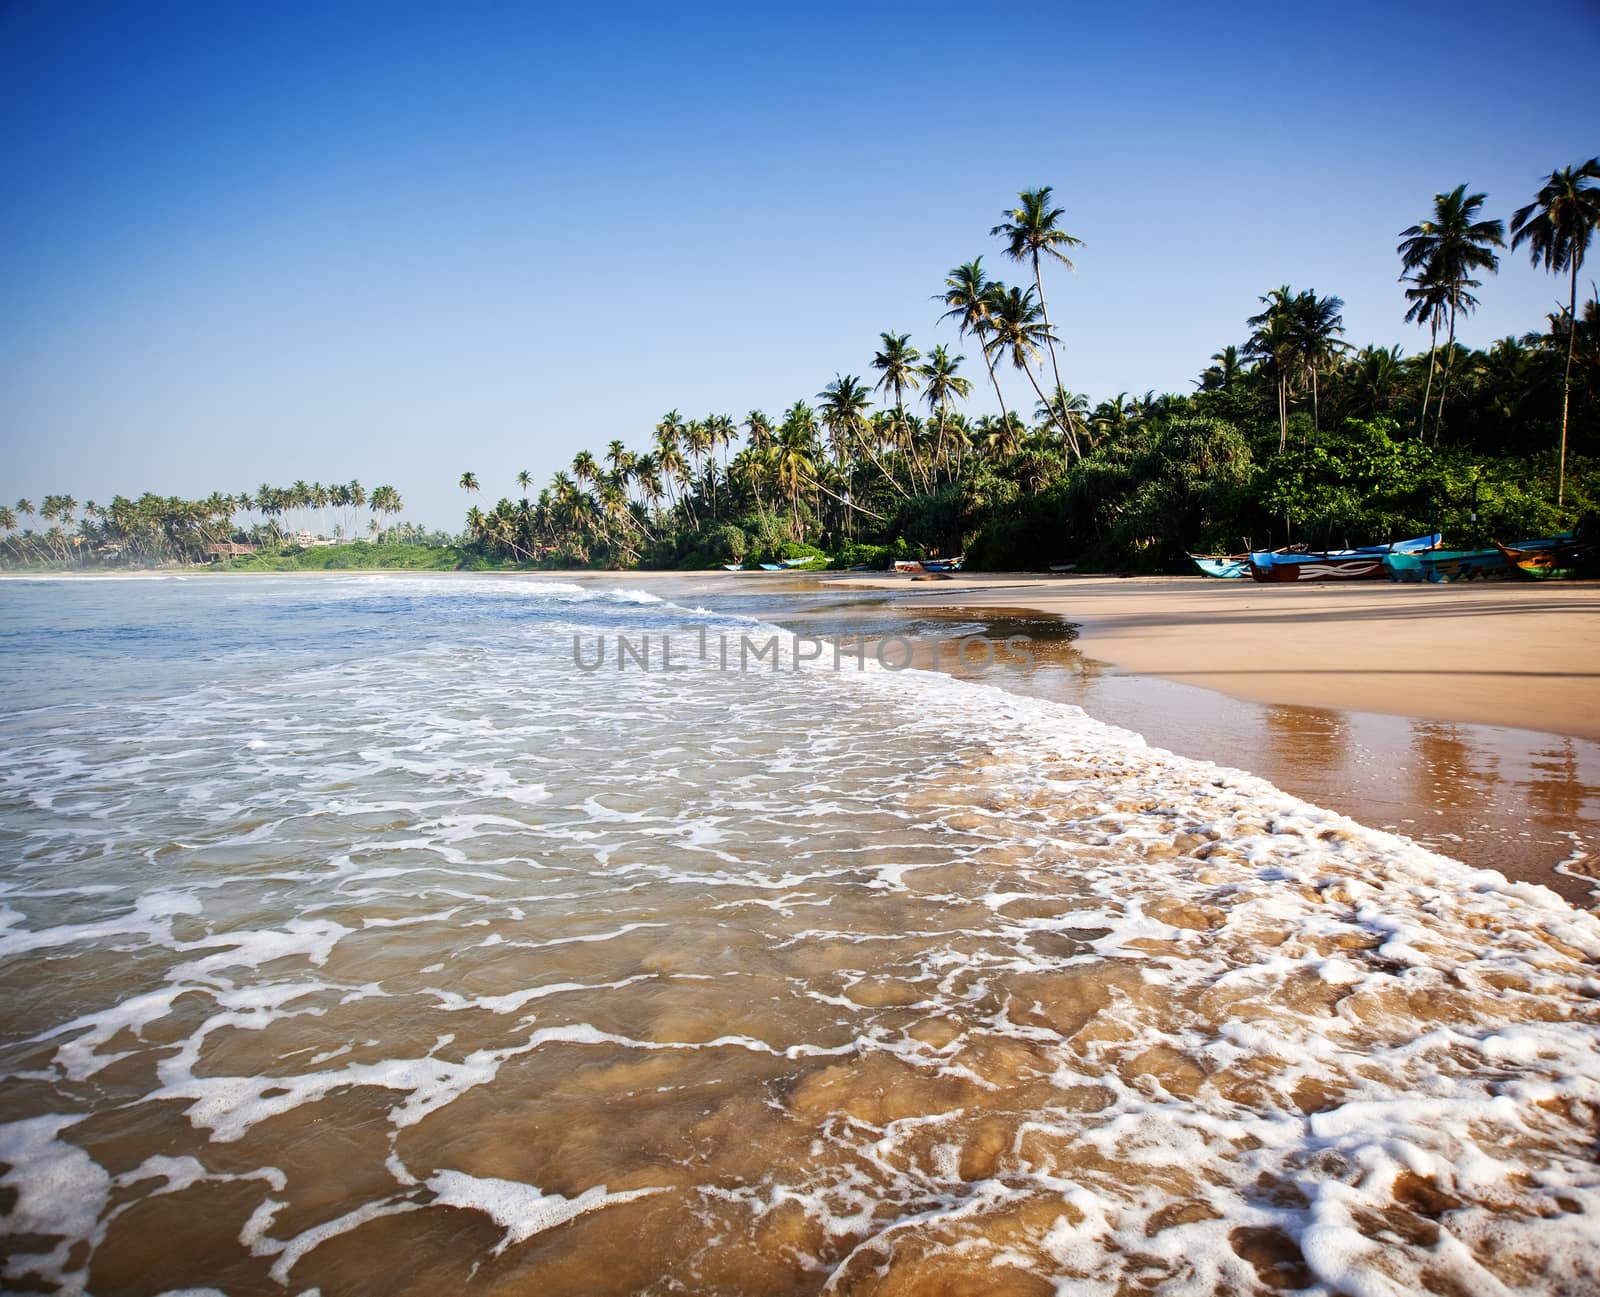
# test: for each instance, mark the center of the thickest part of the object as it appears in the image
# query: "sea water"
(353, 939)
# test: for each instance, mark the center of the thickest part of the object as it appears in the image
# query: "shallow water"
(353, 939)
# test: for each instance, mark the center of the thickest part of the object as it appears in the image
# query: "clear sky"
(267, 241)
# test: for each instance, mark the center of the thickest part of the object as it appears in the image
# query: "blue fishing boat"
(1228, 567)
(772, 567)
(943, 564)
(1363, 564)
(733, 567)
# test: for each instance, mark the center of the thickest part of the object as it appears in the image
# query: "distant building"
(228, 549)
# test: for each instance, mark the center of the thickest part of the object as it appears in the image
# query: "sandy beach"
(1508, 654)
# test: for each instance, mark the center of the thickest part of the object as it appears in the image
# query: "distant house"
(226, 550)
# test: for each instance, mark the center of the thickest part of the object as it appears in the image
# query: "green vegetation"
(378, 554)
(1291, 434)
(154, 530)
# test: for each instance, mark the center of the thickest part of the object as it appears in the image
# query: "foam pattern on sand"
(419, 958)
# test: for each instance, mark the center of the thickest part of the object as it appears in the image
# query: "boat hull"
(1224, 569)
(1321, 567)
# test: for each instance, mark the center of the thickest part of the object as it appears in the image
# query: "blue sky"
(259, 242)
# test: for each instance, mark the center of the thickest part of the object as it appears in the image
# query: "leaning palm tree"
(968, 294)
(1446, 249)
(1557, 226)
(1030, 232)
(1019, 329)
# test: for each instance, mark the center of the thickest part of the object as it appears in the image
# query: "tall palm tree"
(897, 360)
(1448, 248)
(944, 385)
(1019, 329)
(1272, 344)
(1557, 226)
(524, 482)
(968, 294)
(469, 482)
(1032, 231)
(1318, 321)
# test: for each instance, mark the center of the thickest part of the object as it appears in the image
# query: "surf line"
(781, 651)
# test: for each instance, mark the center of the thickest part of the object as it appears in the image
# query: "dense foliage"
(1291, 435)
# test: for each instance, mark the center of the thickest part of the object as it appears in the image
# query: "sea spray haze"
(353, 939)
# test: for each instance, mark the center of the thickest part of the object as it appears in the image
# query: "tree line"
(1293, 433)
(166, 529)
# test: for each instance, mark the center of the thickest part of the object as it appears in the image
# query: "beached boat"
(733, 567)
(801, 562)
(1363, 564)
(943, 564)
(1561, 560)
(907, 565)
(1439, 564)
(1227, 567)
(772, 567)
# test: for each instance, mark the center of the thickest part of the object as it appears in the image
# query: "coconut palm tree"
(1447, 249)
(1032, 231)
(1557, 226)
(944, 385)
(1272, 344)
(469, 482)
(1224, 370)
(968, 294)
(1019, 329)
(1318, 321)
(896, 361)
(524, 482)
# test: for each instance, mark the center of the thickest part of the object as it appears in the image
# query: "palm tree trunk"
(1566, 384)
(1427, 393)
(1283, 414)
(1444, 378)
(1049, 341)
(988, 361)
(866, 443)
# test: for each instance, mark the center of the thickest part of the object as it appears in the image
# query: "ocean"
(360, 934)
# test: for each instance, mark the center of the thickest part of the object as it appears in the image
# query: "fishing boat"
(907, 565)
(1363, 564)
(801, 562)
(943, 564)
(1227, 567)
(1437, 564)
(772, 567)
(733, 567)
(1561, 561)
